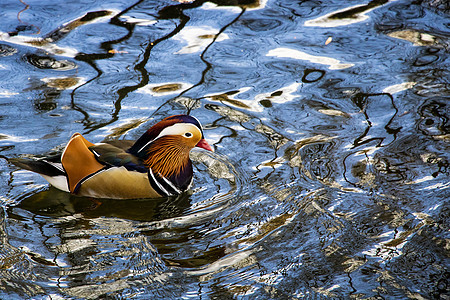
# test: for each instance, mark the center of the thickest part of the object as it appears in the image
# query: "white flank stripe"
(159, 184)
(171, 184)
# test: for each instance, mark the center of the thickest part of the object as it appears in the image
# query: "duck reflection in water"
(55, 203)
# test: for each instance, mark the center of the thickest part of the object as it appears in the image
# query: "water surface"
(330, 121)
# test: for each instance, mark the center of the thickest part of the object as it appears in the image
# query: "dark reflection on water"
(330, 123)
(54, 203)
(47, 62)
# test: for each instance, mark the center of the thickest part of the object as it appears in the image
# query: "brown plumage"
(168, 156)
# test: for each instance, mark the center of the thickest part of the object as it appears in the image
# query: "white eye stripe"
(178, 129)
(175, 129)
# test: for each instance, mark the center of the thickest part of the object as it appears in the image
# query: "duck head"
(165, 147)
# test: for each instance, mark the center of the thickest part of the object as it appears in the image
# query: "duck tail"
(40, 166)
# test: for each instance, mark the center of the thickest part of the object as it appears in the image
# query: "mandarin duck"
(156, 165)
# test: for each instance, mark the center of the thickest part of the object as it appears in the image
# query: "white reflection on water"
(15, 139)
(38, 43)
(6, 94)
(331, 20)
(48, 41)
(216, 266)
(281, 95)
(251, 6)
(198, 38)
(289, 93)
(327, 21)
(296, 54)
(396, 88)
(138, 21)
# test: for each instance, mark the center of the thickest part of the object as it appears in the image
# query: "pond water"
(330, 121)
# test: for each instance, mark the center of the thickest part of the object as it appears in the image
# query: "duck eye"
(188, 134)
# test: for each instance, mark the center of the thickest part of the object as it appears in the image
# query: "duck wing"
(115, 154)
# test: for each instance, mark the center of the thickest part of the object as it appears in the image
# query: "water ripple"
(6, 50)
(47, 62)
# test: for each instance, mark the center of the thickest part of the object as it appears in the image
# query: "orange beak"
(204, 144)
